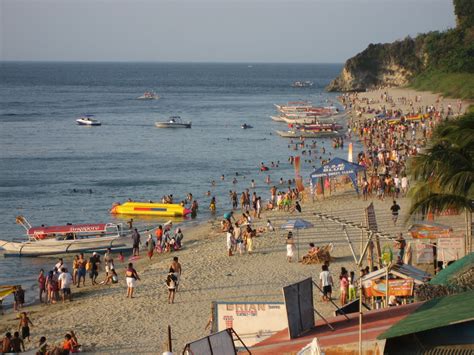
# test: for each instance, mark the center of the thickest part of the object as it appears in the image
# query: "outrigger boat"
(173, 122)
(148, 95)
(88, 120)
(149, 208)
(70, 238)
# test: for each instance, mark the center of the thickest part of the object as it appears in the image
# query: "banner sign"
(399, 288)
(253, 322)
(424, 253)
(451, 248)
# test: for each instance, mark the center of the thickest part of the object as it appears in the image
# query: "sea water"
(55, 172)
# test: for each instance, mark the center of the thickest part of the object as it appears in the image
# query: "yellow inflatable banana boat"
(150, 209)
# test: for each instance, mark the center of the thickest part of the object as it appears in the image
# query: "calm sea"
(53, 171)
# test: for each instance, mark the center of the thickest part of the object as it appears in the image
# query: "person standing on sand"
(65, 282)
(230, 240)
(290, 247)
(159, 237)
(41, 285)
(150, 245)
(75, 265)
(131, 277)
(326, 283)
(136, 242)
(176, 268)
(94, 262)
(171, 283)
(81, 270)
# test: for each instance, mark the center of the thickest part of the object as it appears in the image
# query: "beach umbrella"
(297, 224)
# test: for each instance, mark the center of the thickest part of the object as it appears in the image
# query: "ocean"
(55, 172)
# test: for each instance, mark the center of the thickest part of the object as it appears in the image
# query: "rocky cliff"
(395, 64)
(389, 64)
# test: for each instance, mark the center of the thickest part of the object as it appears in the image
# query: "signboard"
(424, 253)
(253, 322)
(299, 307)
(217, 343)
(370, 218)
(451, 248)
(399, 288)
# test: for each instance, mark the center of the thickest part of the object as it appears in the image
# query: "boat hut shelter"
(335, 168)
(401, 278)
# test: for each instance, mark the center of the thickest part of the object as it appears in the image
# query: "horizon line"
(157, 62)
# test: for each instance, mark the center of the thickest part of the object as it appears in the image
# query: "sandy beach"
(105, 321)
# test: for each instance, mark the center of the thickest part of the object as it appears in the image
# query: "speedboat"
(88, 120)
(150, 208)
(246, 126)
(70, 238)
(173, 122)
(149, 95)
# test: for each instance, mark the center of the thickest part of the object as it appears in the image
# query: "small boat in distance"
(246, 126)
(150, 209)
(88, 120)
(173, 122)
(149, 95)
(302, 84)
(69, 238)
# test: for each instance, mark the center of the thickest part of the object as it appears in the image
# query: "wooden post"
(360, 311)
(170, 345)
(386, 286)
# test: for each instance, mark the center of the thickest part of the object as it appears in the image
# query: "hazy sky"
(210, 30)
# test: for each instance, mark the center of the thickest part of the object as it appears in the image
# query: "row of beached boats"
(305, 120)
(73, 238)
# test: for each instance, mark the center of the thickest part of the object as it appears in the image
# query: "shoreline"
(105, 321)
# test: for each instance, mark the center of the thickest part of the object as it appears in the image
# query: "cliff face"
(389, 64)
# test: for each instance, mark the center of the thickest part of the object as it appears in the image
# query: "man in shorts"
(326, 282)
(65, 282)
(395, 210)
(94, 269)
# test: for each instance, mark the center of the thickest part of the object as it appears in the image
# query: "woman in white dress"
(290, 247)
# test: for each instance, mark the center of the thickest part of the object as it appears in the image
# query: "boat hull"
(82, 123)
(150, 209)
(55, 247)
(172, 125)
(306, 134)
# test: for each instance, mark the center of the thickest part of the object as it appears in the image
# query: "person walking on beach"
(94, 262)
(150, 245)
(132, 278)
(230, 240)
(395, 210)
(136, 242)
(171, 283)
(290, 247)
(326, 283)
(24, 326)
(176, 268)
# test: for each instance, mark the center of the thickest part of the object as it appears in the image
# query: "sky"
(308, 31)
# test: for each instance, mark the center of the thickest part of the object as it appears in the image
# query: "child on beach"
(24, 326)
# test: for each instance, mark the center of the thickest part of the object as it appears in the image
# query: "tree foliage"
(444, 173)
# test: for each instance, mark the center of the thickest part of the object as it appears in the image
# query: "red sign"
(73, 228)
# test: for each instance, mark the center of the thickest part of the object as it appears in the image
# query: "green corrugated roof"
(445, 276)
(436, 313)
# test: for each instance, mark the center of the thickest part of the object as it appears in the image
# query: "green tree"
(444, 172)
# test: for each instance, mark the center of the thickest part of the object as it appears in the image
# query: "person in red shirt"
(70, 344)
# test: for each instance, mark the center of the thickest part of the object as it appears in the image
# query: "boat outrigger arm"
(21, 220)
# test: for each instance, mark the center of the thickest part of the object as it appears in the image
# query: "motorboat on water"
(150, 208)
(62, 239)
(149, 95)
(302, 84)
(88, 120)
(173, 122)
(246, 126)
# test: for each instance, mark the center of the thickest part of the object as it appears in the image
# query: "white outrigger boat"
(70, 238)
(149, 95)
(88, 120)
(173, 122)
